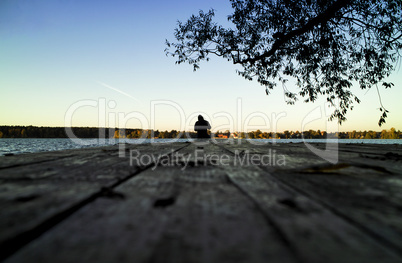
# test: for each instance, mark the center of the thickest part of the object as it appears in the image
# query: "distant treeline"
(88, 132)
(84, 132)
(312, 134)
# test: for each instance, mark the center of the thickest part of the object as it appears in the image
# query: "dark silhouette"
(313, 42)
(201, 127)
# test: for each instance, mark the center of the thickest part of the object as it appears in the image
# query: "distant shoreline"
(7, 131)
(16, 146)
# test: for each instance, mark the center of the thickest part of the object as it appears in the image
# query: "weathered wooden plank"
(314, 232)
(296, 155)
(86, 161)
(186, 209)
(367, 195)
(373, 205)
(31, 202)
(164, 215)
(387, 173)
(375, 160)
(218, 223)
(40, 157)
(277, 200)
(297, 216)
(23, 159)
(380, 150)
(85, 238)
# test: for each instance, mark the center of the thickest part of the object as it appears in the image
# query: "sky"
(102, 64)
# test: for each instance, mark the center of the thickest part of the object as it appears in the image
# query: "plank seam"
(382, 241)
(386, 244)
(276, 228)
(14, 244)
(30, 163)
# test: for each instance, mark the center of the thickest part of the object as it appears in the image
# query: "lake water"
(18, 146)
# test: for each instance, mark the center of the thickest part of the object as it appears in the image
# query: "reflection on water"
(17, 146)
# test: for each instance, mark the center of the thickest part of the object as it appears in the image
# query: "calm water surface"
(18, 146)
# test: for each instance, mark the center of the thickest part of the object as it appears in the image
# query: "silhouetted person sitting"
(201, 127)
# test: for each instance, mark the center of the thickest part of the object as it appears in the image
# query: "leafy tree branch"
(325, 46)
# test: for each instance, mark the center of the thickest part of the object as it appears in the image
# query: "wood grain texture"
(200, 223)
(35, 196)
(205, 203)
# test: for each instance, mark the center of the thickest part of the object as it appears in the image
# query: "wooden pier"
(217, 202)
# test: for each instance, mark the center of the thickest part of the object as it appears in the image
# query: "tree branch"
(323, 17)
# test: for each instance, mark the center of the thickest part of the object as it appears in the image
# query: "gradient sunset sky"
(108, 57)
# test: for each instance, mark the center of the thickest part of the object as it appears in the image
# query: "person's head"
(200, 118)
